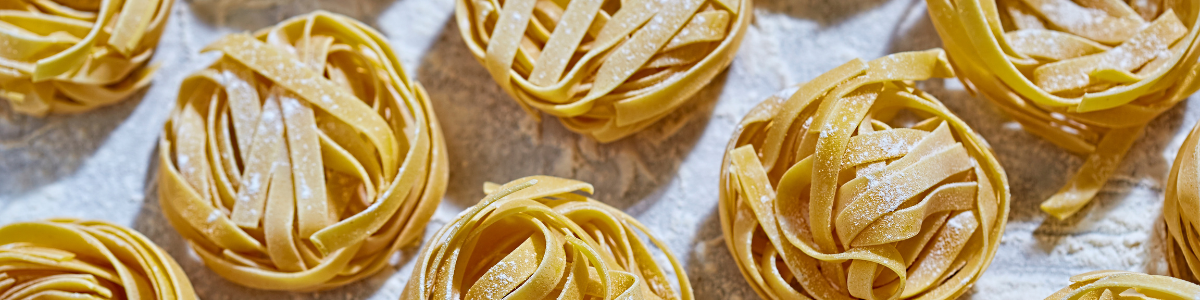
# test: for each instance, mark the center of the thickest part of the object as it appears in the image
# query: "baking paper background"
(101, 164)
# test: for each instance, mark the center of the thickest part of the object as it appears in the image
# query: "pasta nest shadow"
(303, 158)
(857, 184)
(536, 238)
(74, 259)
(68, 56)
(1087, 76)
(1121, 284)
(606, 68)
(1180, 203)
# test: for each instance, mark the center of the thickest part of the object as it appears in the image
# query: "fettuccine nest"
(535, 238)
(303, 158)
(66, 56)
(1180, 210)
(1126, 285)
(856, 184)
(1087, 76)
(72, 259)
(605, 68)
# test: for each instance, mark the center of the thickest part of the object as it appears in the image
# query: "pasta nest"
(67, 56)
(1181, 202)
(605, 68)
(1126, 285)
(858, 185)
(536, 238)
(1086, 75)
(73, 259)
(303, 158)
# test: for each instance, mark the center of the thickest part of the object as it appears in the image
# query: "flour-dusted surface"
(100, 165)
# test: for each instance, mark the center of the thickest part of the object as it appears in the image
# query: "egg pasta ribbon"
(857, 185)
(303, 158)
(1109, 284)
(75, 259)
(606, 68)
(1181, 202)
(63, 56)
(538, 238)
(1085, 75)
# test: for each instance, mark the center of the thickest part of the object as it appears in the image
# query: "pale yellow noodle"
(65, 56)
(1085, 75)
(605, 68)
(1112, 285)
(303, 158)
(857, 185)
(537, 238)
(1180, 208)
(73, 259)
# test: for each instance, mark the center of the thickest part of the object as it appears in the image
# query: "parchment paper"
(99, 165)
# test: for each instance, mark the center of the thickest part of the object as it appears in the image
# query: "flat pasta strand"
(75, 259)
(66, 57)
(856, 185)
(1085, 75)
(303, 158)
(1181, 202)
(537, 238)
(606, 68)
(1108, 284)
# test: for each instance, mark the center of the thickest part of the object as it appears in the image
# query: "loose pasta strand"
(1085, 75)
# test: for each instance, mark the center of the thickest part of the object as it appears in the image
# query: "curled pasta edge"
(690, 83)
(532, 188)
(165, 274)
(979, 149)
(1019, 98)
(428, 191)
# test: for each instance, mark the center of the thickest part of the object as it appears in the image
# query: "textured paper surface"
(99, 165)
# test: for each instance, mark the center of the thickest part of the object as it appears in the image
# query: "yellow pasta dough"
(605, 68)
(858, 185)
(537, 238)
(1111, 285)
(1180, 211)
(303, 158)
(66, 56)
(73, 259)
(1085, 75)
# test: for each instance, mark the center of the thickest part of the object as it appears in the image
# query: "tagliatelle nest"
(605, 68)
(856, 184)
(303, 158)
(1126, 285)
(1087, 76)
(66, 56)
(535, 238)
(71, 259)
(1180, 207)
